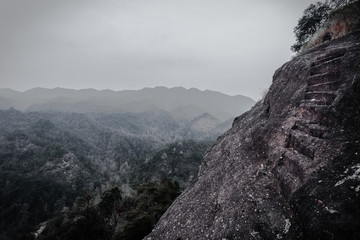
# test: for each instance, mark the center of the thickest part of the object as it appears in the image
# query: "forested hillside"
(47, 159)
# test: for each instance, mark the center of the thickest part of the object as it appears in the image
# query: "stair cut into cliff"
(288, 168)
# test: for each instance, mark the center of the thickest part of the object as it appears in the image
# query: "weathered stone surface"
(290, 167)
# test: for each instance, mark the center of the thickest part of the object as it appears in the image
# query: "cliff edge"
(290, 167)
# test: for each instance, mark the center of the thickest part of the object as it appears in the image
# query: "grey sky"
(231, 46)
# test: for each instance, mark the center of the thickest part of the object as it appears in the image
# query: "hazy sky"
(231, 46)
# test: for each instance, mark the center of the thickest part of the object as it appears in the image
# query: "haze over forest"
(130, 120)
(65, 145)
(181, 102)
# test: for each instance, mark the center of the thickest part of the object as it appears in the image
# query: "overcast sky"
(231, 46)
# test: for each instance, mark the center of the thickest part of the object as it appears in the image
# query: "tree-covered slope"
(48, 158)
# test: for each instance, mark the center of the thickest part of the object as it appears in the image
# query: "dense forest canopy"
(47, 159)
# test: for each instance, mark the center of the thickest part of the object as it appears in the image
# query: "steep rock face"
(290, 167)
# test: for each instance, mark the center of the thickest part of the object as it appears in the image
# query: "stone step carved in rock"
(321, 98)
(314, 113)
(331, 54)
(309, 108)
(297, 162)
(315, 102)
(289, 183)
(322, 78)
(326, 86)
(311, 128)
(302, 143)
(290, 170)
(330, 66)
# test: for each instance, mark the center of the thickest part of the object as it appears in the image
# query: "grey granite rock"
(290, 167)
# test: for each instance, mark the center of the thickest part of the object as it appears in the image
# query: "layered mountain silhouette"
(180, 102)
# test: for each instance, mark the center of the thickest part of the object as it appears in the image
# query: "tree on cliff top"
(314, 17)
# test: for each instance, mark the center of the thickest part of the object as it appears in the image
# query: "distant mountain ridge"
(180, 102)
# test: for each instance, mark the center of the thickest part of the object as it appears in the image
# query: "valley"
(49, 157)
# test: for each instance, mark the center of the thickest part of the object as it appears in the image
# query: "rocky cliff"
(290, 167)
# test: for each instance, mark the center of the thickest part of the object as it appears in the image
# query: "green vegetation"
(325, 16)
(313, 18)
(86, 220)
(152, 200)
(179, 161)
(114, 217)
(48, 160)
